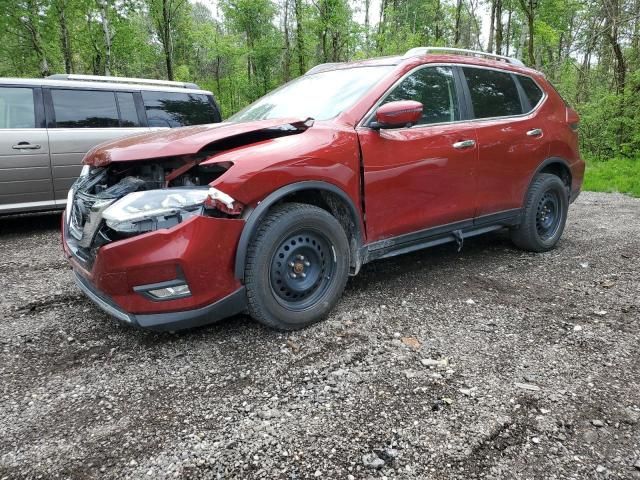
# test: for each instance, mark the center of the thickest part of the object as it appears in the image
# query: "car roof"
(45, 82)
(501, 63)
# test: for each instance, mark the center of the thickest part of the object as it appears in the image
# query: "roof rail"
(322, 67)
(414, 52)
(142, 81)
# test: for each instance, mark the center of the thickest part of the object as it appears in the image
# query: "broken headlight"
(154, 209)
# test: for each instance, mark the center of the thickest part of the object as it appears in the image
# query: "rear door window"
(531, 91)
(493, 93)
(173, 109)
(434, 88)
(17, 108)
(85, 108)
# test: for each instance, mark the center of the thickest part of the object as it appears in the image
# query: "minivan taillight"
(573, 119)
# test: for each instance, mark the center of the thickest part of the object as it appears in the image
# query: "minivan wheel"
(297, 266)
(544, 215)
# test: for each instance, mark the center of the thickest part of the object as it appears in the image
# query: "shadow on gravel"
(29, 223)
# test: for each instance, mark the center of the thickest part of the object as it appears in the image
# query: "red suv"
(271, 211)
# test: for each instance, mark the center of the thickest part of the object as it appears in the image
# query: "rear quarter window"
(531, 90)
(493, 93)
(173, 109)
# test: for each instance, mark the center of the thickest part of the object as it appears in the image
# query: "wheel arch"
(557, 166)
(322, 194)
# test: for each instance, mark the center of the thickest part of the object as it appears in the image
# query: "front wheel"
(297, 266)
(544, 216)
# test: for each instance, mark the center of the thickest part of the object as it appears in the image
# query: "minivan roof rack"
(142, 81)
(417, 51)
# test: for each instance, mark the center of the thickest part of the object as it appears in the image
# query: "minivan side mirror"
(402, 113)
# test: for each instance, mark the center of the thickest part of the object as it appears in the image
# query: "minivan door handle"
(26, 146)
(536, 132)
(464, 144)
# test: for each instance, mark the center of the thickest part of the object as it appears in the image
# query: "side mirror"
(398, 114)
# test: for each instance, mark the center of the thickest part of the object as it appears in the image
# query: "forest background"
(241, 49)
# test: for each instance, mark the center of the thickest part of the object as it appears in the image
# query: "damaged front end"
(126, 199)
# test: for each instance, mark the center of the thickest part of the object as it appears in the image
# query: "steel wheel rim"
(548, 215)
(301, 269)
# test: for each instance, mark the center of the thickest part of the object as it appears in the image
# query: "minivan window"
(172, 109)
(493, 93)
(17, 108)
(84, 108)
(128, 112)
(531, 91)
(434, 88)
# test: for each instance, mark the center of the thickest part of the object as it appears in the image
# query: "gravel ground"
(489, 363)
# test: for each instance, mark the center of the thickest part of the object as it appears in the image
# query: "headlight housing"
(153, 209)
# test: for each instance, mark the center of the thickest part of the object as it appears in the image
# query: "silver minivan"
(47, 125)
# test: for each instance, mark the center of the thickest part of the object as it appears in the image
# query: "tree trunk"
(528, 8)
(498, 4)
(381, 26)
(635, 37)
(508, 46)
(104, 20)
(456, 38)
(31, 24)
(438, 29)
(65, 42)
(492, 26)
(300, 37)
(286, 74)
(367, 6)
(167, 41)
(612, 8)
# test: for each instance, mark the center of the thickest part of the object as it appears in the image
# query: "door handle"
(26, 146)
(536, 132)
(464, 144)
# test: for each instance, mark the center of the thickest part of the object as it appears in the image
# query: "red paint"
(177, 141)
(399, 114)
(415, 179)
(411, 179)
(197, 247)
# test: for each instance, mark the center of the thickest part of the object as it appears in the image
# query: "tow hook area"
(457, 234)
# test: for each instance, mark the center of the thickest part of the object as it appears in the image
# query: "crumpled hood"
(192, 140)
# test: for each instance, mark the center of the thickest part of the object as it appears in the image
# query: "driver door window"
(434, 88)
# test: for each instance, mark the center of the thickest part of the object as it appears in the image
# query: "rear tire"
(297, 266)
(544, 216)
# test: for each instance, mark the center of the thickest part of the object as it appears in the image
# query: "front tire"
(545, 215)
(297, 266)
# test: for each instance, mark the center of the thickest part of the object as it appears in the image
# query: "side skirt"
(430, 237)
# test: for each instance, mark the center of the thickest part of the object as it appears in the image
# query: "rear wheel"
(297, 266)
(544, 216)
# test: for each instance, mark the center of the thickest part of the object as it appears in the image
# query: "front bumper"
(199, 251)
(225, 307)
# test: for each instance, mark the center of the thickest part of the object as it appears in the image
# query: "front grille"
(78, 217)
(85, 223)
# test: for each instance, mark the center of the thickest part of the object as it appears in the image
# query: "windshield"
(320, 96)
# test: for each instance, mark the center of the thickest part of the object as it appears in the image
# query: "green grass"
(616, 175)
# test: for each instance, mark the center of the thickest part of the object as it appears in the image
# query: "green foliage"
(615, 175)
